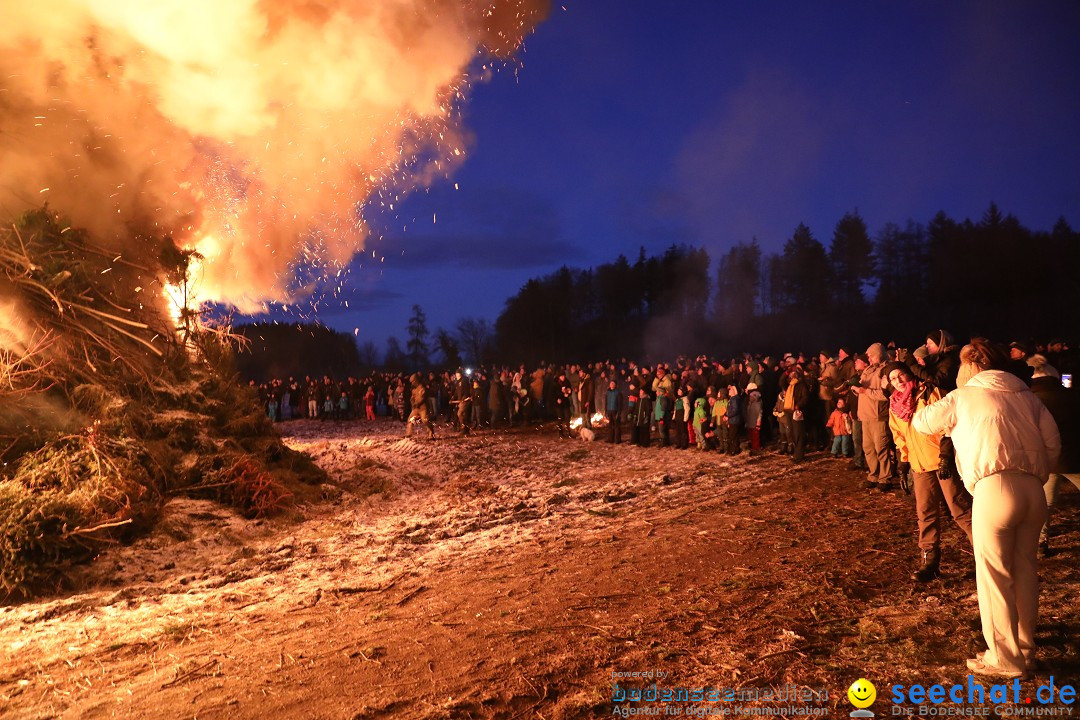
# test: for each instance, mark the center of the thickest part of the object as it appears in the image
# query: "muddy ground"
(512, 574)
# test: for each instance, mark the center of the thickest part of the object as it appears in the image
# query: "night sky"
(632, 124)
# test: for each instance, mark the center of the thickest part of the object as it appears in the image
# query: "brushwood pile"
(107, 409)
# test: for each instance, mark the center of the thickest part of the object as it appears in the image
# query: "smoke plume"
(253, 131)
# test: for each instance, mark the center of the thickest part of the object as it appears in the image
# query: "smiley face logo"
(862, 693)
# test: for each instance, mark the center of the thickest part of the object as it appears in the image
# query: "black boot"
(931, 566)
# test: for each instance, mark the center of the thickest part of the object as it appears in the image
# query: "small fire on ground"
(595, 419)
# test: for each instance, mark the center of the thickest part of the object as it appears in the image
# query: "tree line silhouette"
(993, 277)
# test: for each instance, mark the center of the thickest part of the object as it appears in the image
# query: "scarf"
(789, 395)
(902, 403)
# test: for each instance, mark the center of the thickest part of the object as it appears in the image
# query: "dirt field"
(517, 575)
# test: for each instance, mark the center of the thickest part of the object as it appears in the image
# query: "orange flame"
(267, 124)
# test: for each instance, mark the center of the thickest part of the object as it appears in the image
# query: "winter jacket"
(663, 382)
(840, 422)
(600, 391)
(536, 386)
(661, 408)
(996, 425)
(873, 406)
(719, 412)
(735, 410)
(828, 381)
(753, 373)
(1064, 405)
(615, 403)
(701, 417)
(845, 370)
(682, 406)
(562, 402)
(796, 396)
(912, 446)
(644, 411)
(753, 409)
(586, 395)
(941, 368)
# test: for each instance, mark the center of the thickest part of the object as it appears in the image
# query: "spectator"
(753, 416)
(733, 428)
(681, 413)
(717, 419)
(369, 403)
(796, 396)
(874, 416)
(633, 396)
(840, 424)
(920, 454)
(942, 362)
(586, 397)
(1019, 352)
(1006, 442)
(701, 422)
(661, 413)
(644, 417)
(1064, 406)
(564, 399)
(858, 364)
(615, 404)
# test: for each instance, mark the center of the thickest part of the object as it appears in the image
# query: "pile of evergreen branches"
(106, 409)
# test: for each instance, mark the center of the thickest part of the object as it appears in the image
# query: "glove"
(945, 471)
(904, 468)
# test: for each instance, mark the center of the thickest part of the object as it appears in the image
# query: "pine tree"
(738, 282)
(852, 258)
(417, 344)
(806, 273)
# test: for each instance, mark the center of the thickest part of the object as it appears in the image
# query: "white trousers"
(1007, 514)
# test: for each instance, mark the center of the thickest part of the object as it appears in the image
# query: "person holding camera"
(937, 365)
(1064, 405)
(873, 413)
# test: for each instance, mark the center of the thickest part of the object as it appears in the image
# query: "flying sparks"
(269, 127)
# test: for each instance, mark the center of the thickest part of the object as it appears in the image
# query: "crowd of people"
(981, 432)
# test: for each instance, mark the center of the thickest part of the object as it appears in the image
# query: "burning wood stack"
(106, 409)
(261, 137)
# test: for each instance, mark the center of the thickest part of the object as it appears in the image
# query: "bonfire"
(110, 403)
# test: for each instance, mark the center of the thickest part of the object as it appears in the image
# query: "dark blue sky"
(646, 123)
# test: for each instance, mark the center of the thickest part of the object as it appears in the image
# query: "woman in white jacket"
(1006, 441)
